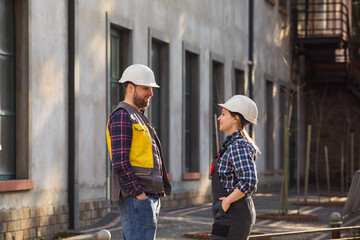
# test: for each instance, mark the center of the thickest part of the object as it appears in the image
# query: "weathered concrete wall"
(214, 27)
(48, 102)
(272, 56)
(47, 107)
(219, 27)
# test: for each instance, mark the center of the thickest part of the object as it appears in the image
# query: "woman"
(234, 173)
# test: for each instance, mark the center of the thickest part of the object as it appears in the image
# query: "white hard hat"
(243, 105)
(140, 75)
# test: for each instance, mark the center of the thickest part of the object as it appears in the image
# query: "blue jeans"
(139, 218)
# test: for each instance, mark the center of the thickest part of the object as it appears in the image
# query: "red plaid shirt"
(120, 129)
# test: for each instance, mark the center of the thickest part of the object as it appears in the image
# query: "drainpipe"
(73, 174)
(251, 57)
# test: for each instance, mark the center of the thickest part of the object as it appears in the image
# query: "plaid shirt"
(236, 166)
(120, 128)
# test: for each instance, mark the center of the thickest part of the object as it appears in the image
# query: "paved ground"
(173, 224)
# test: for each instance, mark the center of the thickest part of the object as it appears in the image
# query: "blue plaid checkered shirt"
(236, 166)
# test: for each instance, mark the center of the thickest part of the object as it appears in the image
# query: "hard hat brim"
(234, 110)
(145, 84)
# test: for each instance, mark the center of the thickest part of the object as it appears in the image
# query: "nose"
(151, 92)
(219, 118)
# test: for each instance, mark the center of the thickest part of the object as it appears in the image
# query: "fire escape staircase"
(321, 32)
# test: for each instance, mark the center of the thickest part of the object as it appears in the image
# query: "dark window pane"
(156, 99)
(191, 113)
(115, 57)
(217, 97)
(188, 152)
(188, 113)
(115, 93)
(7, 91)
(7, 154)
(6, 84)
(269, 126)
(6, 25)
(283, 109)
(118, 58)
(239, 82)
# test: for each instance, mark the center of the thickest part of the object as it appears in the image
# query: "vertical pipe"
(73, 197)
(250, 57)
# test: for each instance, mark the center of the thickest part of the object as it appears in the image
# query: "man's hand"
(225, 204)
(142, 196)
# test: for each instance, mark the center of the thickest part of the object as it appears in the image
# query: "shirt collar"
(235, 135)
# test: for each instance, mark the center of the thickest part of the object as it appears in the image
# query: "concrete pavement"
(173, 224)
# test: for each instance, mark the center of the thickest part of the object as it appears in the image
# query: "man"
(139, 176)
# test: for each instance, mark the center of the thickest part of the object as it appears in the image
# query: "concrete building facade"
(66, 58)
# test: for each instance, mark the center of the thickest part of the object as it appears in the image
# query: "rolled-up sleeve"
(120, 129)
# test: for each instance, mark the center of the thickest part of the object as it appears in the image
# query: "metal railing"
(335, 232)
(321, 19)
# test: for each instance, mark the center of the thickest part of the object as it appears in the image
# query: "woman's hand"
(225, 204)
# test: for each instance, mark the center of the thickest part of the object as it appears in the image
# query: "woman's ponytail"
(243, 131)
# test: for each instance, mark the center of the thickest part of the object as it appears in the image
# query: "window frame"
(163, 41)
(194, 53)
(122, 24)
(10, 55)
(270, 126)
(220, 60)
(22, 180)
(237, 67)
(125, 59)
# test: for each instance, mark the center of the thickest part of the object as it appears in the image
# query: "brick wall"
(44, 222)
(177, 200)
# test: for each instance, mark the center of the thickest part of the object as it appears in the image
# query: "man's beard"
(140, 102)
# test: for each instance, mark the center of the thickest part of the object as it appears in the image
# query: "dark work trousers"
(237, 221)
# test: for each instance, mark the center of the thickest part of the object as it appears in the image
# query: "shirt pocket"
(141, 147)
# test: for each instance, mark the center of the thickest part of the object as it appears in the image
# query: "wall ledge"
(191, 176)
(16, 185)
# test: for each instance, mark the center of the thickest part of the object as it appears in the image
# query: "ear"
(237, 120)
(130, 88)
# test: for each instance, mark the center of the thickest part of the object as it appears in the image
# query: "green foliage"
(355, 28)
(356, 21)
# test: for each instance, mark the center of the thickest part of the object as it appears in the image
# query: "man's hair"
(125, 84)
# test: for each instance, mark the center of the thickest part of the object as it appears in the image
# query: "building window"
(270, 125)
(7, 91)
(119, 60)
(217, 96)
(191, 112)
(283, 113)
(159, 104)
(239, 82)
(191, 109)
